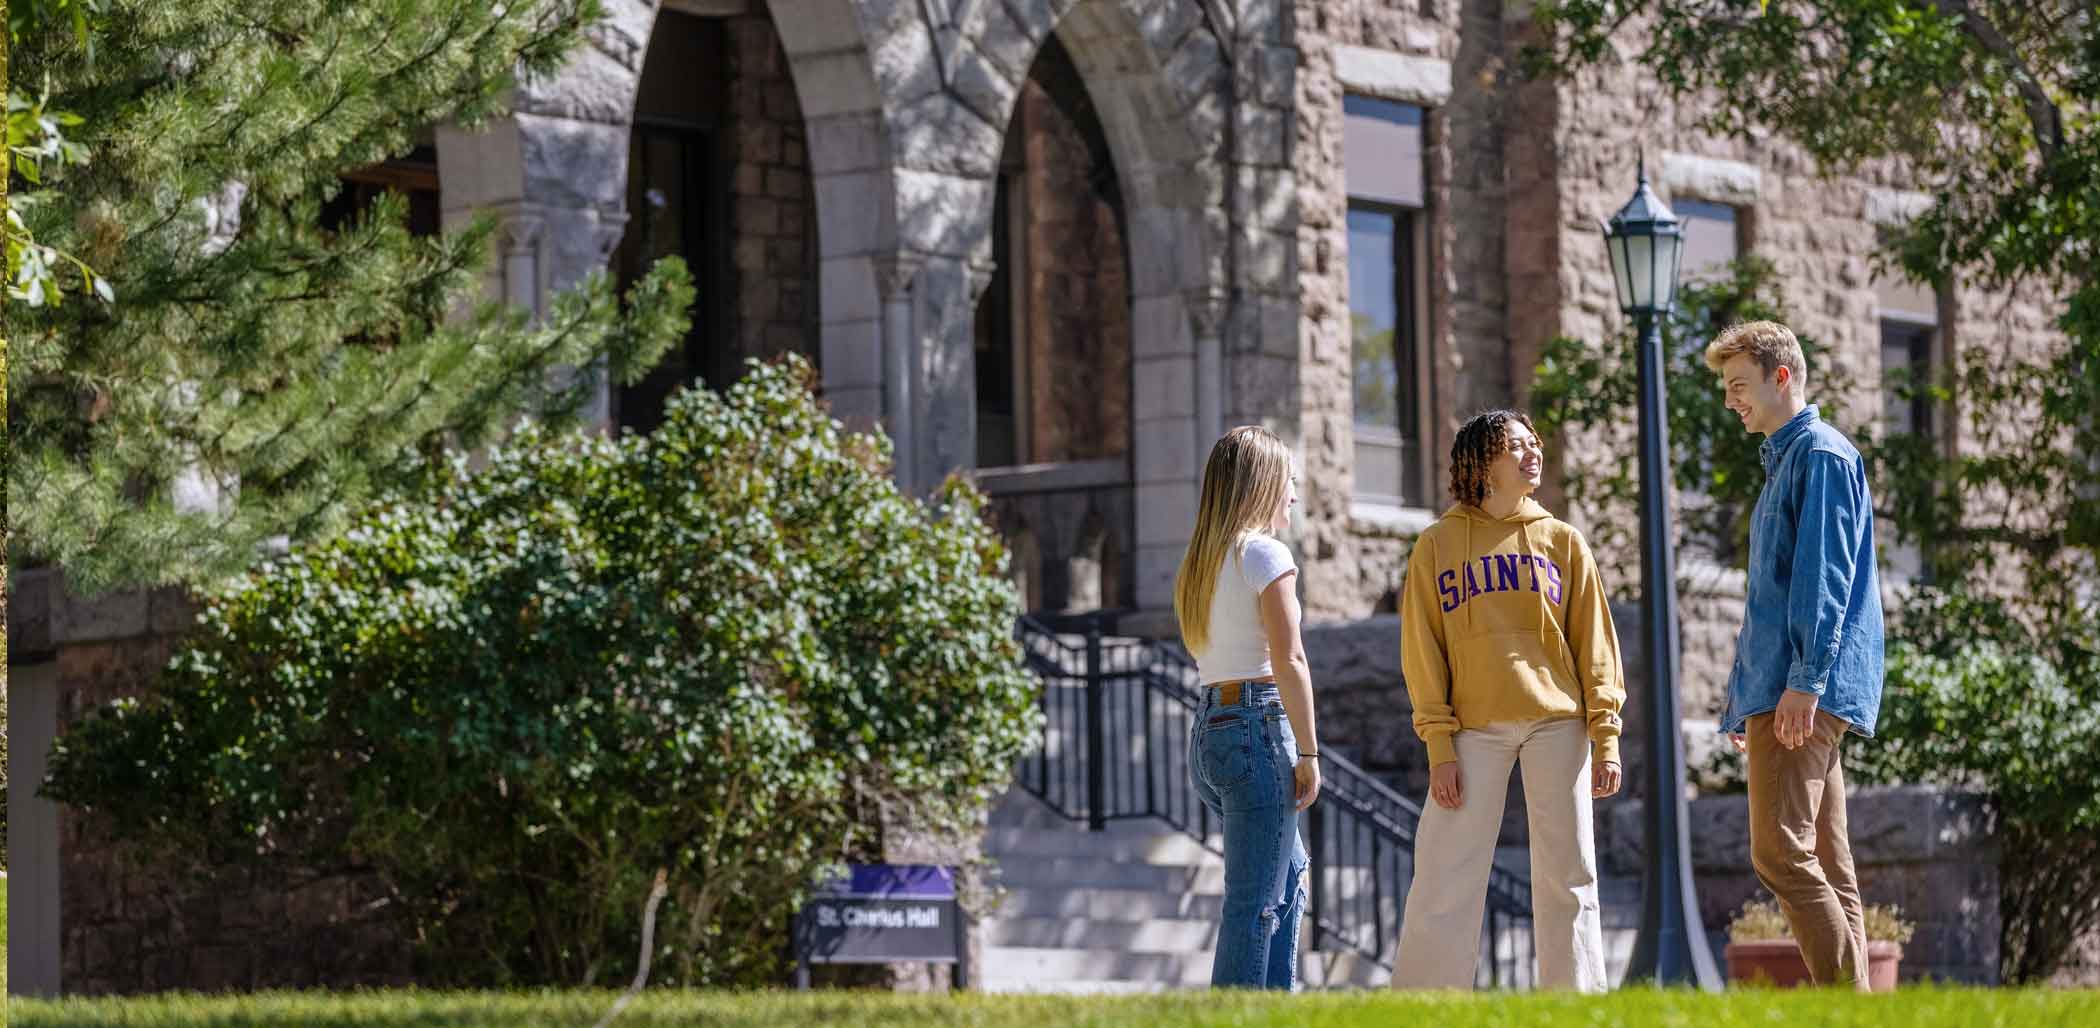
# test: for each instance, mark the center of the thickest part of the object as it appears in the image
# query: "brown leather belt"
(1229, 692)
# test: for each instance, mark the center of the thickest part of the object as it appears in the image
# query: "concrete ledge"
(1928, 850)
(1386, 521)
(1393, 76)
(1894, 208)
(1710, 178)
(1043, 478)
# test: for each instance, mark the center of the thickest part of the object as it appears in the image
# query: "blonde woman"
(1511, 659)
(1253, 750)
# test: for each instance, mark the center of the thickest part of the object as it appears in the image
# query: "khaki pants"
(1799, 847)
(1440, 931)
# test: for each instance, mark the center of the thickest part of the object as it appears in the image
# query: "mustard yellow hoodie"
(1507, 621)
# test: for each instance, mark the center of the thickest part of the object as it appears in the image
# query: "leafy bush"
(1978, 697)
(514, 693)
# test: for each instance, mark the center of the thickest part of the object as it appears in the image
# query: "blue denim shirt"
(1812, 619)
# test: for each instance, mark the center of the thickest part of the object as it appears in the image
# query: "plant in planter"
(1761, 947)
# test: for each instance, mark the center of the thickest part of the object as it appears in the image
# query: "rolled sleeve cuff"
(1441, 750)
(1802, 678)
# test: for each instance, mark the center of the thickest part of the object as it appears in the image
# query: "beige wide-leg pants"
(1440, 931)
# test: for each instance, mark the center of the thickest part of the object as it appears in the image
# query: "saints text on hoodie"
(1507, 620)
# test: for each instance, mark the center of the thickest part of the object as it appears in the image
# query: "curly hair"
(1480, 441)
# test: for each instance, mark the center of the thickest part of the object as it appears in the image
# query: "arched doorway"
(1053, 345)
(718, 173)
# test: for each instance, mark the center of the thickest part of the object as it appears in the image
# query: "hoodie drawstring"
(1524, 547)
(1469, 559)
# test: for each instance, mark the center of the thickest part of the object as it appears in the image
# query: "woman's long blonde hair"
(1244, 485)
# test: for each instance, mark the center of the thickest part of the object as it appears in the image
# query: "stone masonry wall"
(772, 206)
(130, 924)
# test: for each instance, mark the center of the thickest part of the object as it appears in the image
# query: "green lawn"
(1911, 1008)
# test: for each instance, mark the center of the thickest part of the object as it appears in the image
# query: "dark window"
(414, 176)
(998, 415)
(1906, 367)
(1711, 239)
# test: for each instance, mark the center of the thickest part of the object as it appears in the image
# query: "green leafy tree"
(515, 693)
(1584, 386)
(1990, 106)
(280, 374)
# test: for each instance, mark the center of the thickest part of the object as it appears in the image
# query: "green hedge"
(516, 692)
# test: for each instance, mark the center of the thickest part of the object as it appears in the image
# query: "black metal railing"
(1116, 718)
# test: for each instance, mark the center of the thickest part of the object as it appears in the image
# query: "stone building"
(1059, 246)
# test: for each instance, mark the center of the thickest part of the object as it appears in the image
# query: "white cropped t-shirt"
(1238, 648)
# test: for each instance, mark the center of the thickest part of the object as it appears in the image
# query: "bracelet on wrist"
(1314, 756)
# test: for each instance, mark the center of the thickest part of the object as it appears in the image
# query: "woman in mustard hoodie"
(1511, 659)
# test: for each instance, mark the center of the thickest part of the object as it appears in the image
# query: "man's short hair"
(1767, 342)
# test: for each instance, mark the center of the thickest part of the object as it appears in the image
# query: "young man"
(1808, 661)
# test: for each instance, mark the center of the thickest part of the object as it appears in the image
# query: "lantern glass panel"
(1640, 262)
(1620, 274)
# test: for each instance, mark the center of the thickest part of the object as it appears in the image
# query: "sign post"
(883, 914)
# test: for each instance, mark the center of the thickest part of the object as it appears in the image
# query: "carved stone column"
(518, 236)
(894, 275)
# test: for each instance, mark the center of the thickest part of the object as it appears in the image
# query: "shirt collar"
(1777, 442)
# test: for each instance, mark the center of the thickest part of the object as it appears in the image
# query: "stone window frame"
(1687, 210)
(1904, 563)
(1422, 82)
(1887, 210)
(1923, 335)
(1737, 185)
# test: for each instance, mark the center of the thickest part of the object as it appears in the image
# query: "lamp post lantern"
(1645, 241)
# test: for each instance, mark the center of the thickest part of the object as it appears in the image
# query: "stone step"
(1205, 873)
(1102, 904)
(1036, 814)
(1081, 987)
(1340, 969)
(1036, 969)
(1071, 873)
(1157, 935)
(1024, 968)
(1150, 847)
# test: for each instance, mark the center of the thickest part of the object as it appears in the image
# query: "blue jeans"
(1240, 761)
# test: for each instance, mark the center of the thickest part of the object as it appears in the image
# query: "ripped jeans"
(1241, 759)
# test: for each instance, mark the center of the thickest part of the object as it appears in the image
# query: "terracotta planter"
(1778, 963)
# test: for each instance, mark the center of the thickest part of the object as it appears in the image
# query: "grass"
(1911, 1008)
(3, 937)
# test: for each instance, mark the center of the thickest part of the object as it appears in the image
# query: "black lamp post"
(1645, 241)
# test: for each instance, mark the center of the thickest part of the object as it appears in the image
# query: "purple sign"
(878, 881)
(879, 914)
